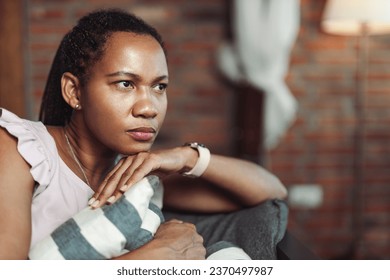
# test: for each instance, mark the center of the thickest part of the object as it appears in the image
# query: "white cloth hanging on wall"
(264, 32)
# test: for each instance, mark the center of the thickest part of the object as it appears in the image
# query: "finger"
(191, 226)
(108, 176)
(144, 166)
(198, 239)
(136, 163)
(196, 252)
(92, 202)
(130, 169)
(175, 221)
(115, 196)
(108, 191)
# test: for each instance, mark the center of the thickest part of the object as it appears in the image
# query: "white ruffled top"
(59, 193)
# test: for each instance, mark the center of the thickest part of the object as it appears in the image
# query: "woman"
(106, 97)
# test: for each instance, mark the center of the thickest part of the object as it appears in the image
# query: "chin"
(136, 148)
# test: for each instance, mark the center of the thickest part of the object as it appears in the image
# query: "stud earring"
(77, 107)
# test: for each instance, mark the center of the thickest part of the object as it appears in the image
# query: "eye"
(160, 87)
(124, 85)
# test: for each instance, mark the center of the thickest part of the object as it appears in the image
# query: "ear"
(70, 88)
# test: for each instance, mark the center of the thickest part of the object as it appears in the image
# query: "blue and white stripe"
(108, 231)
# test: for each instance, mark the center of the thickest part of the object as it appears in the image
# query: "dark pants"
(257, 230)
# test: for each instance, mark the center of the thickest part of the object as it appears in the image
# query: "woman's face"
(124, 101)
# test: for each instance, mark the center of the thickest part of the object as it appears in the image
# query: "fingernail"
(123, 188)
(92, 200)
(95, 204)
(111, 199)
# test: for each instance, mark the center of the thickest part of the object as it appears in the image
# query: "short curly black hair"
(80, 48)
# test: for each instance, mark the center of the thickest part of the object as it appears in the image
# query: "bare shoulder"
(5, 137)
(16, 185)
(11, 162)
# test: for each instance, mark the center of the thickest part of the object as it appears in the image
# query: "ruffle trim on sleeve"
(30, 147)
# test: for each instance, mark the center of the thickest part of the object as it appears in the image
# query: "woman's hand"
(174, 240)
(132, 169)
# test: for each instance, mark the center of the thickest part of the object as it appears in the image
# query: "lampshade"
(346, 17)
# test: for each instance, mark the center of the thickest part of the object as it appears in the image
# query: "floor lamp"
(360, 18)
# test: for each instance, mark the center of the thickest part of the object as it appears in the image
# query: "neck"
(93, 161)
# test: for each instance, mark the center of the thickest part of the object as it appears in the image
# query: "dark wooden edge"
(12, 80)
(290, 248)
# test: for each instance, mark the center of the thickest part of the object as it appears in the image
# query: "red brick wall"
(318, 149)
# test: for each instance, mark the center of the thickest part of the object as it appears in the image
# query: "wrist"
(190, 158)
(202, 161)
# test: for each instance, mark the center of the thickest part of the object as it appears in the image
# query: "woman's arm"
(232, 183)
(227, 184)
(16, 186)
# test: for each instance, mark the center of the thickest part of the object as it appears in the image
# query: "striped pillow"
(109, 231)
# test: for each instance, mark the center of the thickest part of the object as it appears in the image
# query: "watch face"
(194, 145)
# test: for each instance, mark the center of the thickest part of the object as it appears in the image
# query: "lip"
(142, 133)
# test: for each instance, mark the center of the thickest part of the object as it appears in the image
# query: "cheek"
(163, 106)
(102, 112)
(101, 101)
(106, 123)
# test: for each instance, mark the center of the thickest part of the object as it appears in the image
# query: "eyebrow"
(135, 76)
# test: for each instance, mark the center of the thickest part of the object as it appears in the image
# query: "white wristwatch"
(203, 160)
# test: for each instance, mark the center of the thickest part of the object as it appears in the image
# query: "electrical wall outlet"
(306, 196)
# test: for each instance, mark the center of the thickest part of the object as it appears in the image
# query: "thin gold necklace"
(76, 160)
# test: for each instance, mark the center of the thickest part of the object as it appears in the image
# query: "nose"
(144, 106)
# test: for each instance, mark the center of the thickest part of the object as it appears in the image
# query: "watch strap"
(203, 160)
